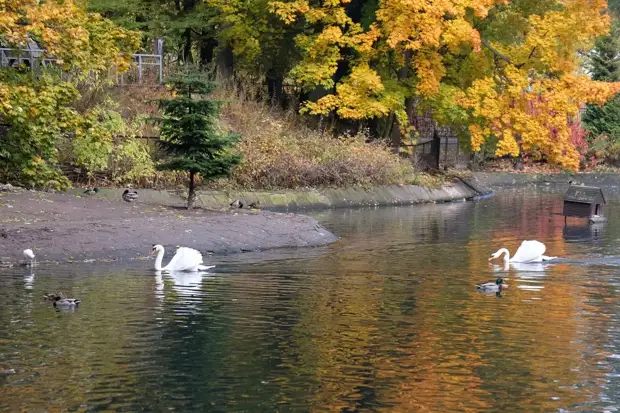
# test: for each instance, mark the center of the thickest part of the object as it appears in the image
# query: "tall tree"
(496, 62)
(605, 66)
(189, 133)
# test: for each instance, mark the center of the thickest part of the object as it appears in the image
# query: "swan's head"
(156, 249)
(495, 255)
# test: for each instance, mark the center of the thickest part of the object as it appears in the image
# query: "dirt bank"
(62, 227)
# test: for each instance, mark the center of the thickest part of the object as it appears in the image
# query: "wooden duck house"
(584, 202)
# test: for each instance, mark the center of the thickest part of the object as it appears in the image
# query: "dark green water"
(387, 319)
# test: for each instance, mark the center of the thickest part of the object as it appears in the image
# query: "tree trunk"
(207, 49)
(192, 191)
(275, 91)
(187, 46)
(403, 74)
(225, 64)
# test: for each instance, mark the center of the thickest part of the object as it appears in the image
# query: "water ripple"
(387, 319)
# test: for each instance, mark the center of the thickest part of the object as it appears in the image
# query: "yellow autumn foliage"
(68, 33)
(522, 88)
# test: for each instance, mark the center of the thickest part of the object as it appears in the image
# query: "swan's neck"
(506, 254)
(160, 257)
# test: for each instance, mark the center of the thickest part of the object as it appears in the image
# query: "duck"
(53, 296)
(498, 285)
(254, 205)
(236, 204)
(91, 191)
(66, 302)
(29, 255)
(130, 196)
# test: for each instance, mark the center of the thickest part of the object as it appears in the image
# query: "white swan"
(529, 251)
(185, 259)
(29, 255)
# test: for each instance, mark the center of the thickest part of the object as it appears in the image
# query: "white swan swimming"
(185, 259)
(529, 251)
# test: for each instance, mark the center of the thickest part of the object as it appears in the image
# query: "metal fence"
(451, 155)
(450, 151)
(147, 68)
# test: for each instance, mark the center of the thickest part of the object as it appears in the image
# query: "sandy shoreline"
(62, 227)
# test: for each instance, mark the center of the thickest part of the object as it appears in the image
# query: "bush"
(278, 148)
(107, 147)
(280, 151)
(604, 149)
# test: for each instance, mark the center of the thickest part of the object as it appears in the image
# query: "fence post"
(161, 69)
(160, 52)
(140, 69)
(456, 159)
(436, 149)
(445, 156)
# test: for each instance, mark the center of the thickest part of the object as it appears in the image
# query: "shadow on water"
(386, 319)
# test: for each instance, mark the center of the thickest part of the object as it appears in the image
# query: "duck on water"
(498, 285)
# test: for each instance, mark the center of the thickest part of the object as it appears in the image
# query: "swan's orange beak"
(153, 251)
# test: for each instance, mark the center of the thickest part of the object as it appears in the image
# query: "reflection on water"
(584, 232)
(386, 319)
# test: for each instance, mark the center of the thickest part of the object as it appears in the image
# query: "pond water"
(387, 319)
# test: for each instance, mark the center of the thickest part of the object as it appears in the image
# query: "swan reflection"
(185, 287)
(29, 278)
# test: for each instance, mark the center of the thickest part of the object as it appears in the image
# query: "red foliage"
(577, 132)
(578, 138)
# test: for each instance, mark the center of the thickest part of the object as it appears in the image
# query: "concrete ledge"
(289, 200)
(507, 179)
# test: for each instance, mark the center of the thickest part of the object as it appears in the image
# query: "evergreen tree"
(188, 133)
(605, 58)
(605, 66)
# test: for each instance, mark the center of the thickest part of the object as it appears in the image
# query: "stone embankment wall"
(459, 190)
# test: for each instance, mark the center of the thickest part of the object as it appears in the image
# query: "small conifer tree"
(189, 134)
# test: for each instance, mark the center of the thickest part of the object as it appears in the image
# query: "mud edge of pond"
(62, 228)
(314, 199)
(507, 179)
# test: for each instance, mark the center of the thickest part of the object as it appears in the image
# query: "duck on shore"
(130, 196)
(53, 296)
(91, 191)
(236, 204)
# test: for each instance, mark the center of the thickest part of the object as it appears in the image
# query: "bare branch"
(496, 52)
(499, 55)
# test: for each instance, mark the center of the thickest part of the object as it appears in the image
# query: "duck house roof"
(584, 195)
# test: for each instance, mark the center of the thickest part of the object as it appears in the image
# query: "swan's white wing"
(529, 251)
(186, 259)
